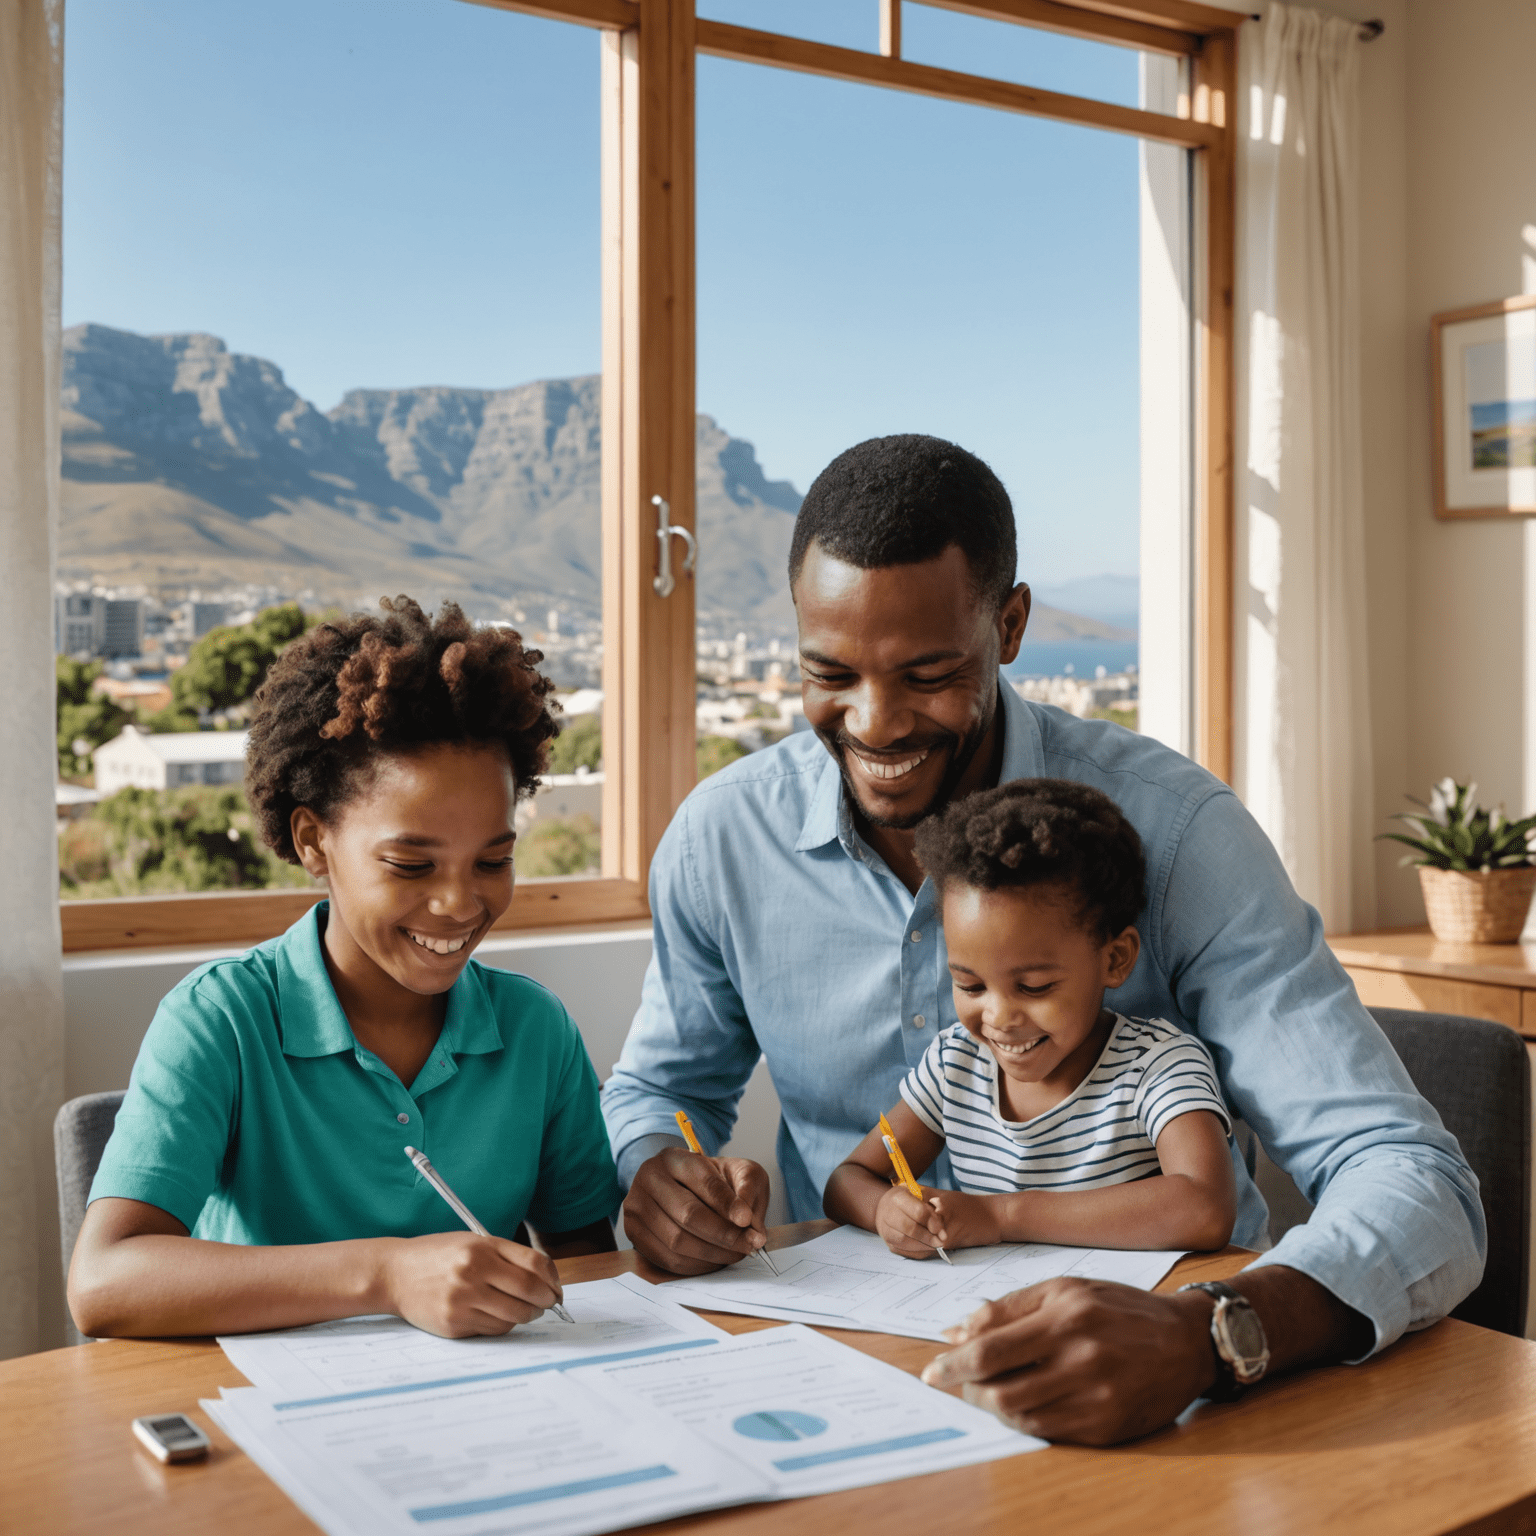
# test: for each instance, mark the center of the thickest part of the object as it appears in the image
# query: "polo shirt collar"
(829, 819)
(311, 1017)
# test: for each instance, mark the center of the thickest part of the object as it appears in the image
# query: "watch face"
(1244, 1333)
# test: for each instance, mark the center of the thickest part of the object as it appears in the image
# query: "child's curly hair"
(1041, 832)
(356, 687)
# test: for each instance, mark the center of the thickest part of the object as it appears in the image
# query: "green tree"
(560, 846)
(198, 838)
(714, 752)
(228, 665)
(84, 719)
(579, 745)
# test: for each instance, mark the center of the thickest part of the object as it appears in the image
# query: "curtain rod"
(1369, 30)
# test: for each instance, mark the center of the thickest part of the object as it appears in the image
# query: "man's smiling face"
(899, 677)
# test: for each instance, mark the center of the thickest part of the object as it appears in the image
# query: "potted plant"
(1475, 866)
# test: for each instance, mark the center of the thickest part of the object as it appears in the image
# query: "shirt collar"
(1023, 757)
(311, 1018)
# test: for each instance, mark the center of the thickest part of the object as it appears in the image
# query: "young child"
(1065, 1123)
(256, 1177)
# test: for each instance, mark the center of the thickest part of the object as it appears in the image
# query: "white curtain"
(31, 1003)
(1303, 742)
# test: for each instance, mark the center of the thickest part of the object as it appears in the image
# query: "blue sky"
(393, 192)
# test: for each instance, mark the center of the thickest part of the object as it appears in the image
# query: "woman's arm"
(137, 1273)
(1191, 1204)
(860, 1191)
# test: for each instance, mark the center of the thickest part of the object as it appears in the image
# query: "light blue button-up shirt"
(780, 931)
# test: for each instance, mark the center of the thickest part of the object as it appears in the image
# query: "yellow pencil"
(685, 1125)
(903, 1168)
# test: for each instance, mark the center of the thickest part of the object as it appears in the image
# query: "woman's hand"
(458, 1284)
(967, 1221)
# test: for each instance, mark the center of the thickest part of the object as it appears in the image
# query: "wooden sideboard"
(1411, 968)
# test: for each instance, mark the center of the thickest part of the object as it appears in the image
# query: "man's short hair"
(904, 500)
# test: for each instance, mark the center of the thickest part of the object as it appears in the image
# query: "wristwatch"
(1242, 1350)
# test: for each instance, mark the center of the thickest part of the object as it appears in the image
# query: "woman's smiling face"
(418, 862)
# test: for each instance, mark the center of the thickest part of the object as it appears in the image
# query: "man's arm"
(1397, 1237)
(690, 1047)
(1398, 1233)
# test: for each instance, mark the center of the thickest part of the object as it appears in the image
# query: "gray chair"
(1477, 1076)
(80, 1132)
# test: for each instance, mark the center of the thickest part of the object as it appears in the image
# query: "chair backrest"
(80, 1132)
(1477, 1076)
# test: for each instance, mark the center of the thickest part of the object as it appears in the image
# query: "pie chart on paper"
(779, 1424)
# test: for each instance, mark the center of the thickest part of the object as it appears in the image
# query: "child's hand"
(965, 1221)
(458, 1284)
(909, 1227)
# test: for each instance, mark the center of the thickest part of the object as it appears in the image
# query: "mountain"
(188, 465)
(1115, 601)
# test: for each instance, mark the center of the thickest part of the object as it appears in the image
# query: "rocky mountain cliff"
(186, 464)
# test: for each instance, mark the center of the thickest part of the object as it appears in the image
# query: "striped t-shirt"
(1104, 1132)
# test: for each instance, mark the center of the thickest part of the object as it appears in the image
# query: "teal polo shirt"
(254, 1116)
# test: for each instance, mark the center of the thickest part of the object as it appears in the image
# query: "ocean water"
(1503, 413)
(1053, 658)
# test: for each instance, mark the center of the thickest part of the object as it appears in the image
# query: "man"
(792, 920)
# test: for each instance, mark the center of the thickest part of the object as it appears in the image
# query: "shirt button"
(403, 1118)
(917, 935)
(918, 1021)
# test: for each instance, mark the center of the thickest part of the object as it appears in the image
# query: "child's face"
(419, 862)
(1029, 980)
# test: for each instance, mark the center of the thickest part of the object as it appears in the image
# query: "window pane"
(333, 331)
(883, 263)
(845, 23)
(1003, 50)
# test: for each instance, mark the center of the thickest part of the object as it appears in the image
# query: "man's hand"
(690, 1214)
(459, 1284)
(1086, 1361)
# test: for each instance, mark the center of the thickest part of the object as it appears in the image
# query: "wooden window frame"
(649, 52)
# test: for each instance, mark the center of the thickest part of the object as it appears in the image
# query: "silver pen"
(467, 1216)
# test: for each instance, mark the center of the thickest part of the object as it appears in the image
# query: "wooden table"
(1411, 968)
(1437, 1435)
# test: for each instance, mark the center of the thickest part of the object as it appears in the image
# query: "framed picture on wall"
(1484, 362)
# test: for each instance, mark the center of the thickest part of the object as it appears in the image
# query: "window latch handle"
(665, 528)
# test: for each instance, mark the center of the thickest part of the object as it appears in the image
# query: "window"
(648, 430)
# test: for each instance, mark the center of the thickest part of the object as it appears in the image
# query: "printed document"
(533, 1453)
(356, 1358)
(777, 1414)
(848, 1278)
(805, 1413)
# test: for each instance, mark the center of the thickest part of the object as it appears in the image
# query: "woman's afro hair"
(354, 688)
(1041, 832)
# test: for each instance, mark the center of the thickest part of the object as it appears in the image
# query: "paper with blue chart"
(371, 1426)
(848, 1278)
(807, 1414)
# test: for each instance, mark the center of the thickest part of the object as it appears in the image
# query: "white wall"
(110, 998)
(1471, 191)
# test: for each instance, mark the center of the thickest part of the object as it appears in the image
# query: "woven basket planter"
(1477, 907)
